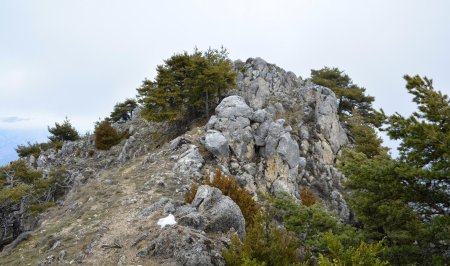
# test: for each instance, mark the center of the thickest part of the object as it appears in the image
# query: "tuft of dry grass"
(308, 198)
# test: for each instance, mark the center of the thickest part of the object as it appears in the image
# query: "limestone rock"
(186, 245)
(232, 119)
(216, 143)
(220, 212)
(189, 163)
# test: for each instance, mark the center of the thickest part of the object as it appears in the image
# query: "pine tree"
(63, 132)
(123, 111)
(406, 200)
(425, 144)
(187, 86)
(350, 96)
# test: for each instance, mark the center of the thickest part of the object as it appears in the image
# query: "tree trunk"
(207, 103)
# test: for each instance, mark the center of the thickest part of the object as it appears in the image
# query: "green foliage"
(350, 96)
(106, 136)
(425, 142)
(18, 171)
(364, 254)
(35, 149)
(63, 132)
(27, 150)
(406, 201)
(187, 86)
(123, 111)
(309, 223)
(13, 195)
(19, 182)
(37, 208)
(364, 137)
(264, 244)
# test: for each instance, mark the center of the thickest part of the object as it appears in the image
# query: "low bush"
(308, 198)
(106, 136)
(264, 244)
(364, 254)
(19, 181)
(18, 171)
(29, 149)
(36, 149)
(13, 195)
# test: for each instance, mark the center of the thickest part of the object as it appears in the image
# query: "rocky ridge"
(275, 133)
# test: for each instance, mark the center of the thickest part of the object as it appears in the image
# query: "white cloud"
(78, 58)
(12, 119)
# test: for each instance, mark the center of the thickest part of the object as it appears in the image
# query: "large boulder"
(220, 213)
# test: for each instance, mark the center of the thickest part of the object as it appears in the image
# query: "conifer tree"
(187, 86)
(63, 132)
(406, 201)
(123, 110)
(350, 96)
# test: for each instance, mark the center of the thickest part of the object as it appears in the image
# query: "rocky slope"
(275, 132)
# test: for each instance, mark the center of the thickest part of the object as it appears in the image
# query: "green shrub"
(36, 149)
(364, 254)
(20, 172)
(264, 244)
(19, 181)
(29, 149)
(309, 223)
(13, 195)
(106, 136)
(37, 208)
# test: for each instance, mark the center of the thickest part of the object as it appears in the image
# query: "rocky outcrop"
(188, 241)
(282, 133)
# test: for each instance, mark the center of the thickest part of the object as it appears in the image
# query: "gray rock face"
(216, 143)
(186, 245)
(189, 163)
(220, 213)
(232, 120)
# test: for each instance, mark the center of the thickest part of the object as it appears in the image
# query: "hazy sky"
(78, 58)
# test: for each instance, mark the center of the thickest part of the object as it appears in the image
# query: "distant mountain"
(10, 138)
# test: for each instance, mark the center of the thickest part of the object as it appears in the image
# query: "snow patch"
(169, 220)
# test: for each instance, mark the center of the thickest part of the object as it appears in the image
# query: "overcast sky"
(78, 58)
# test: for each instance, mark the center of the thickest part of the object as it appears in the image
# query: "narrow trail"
(99, 221)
